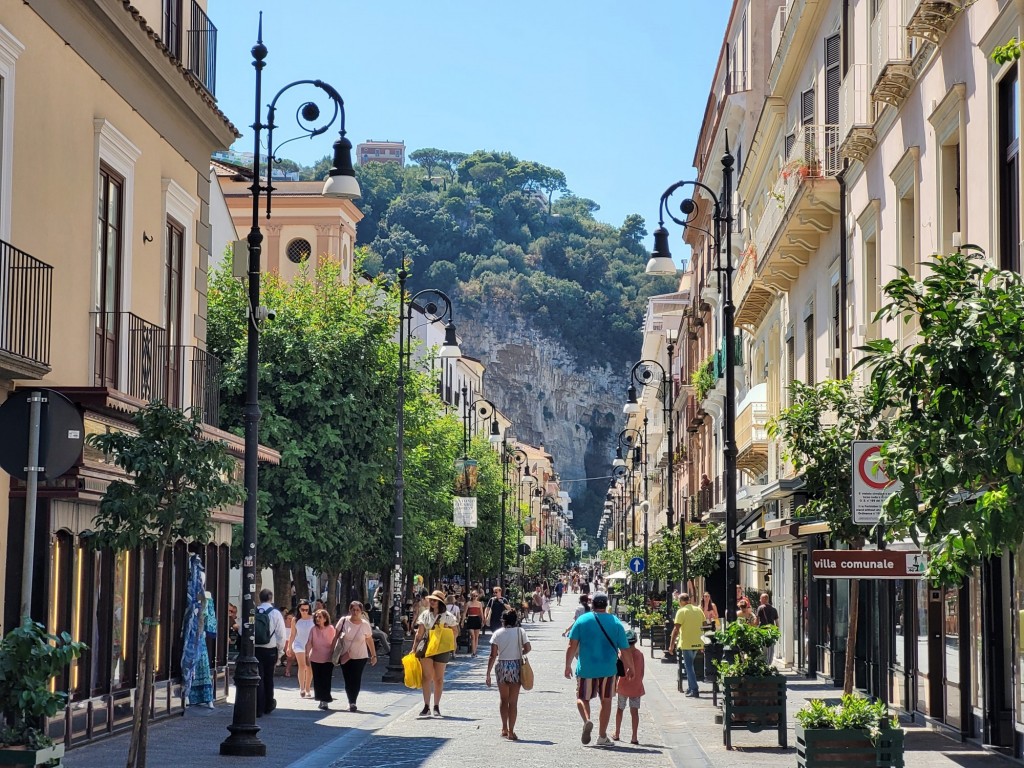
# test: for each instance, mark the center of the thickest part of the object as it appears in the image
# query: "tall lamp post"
(661, 263)
(436, 307)
(526, 480)
(482, 408)
(341, 183)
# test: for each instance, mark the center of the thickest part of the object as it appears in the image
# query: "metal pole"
(728, 312)
(243, 739)
(32, 470)
(648, 499)
(395, 672)
(504, 505)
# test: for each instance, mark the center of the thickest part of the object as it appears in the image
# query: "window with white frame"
(10, 50)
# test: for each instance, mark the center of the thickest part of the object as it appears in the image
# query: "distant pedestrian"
(509, 646)
(286, 658)
(744, 613)
(356, 638)
(537, 603)
(559, 589)
(546, 605)
(630, 689)
(435, 628)
(318, 653)
(582, 608)
(596, 638)
(473, 620)
(270, 636)
(710, 610)
(295, 648)
(686, 637)
(494, 610)
(767, 616)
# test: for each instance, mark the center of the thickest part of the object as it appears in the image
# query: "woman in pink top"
(318, 654)
(630, 689)
(357, 645)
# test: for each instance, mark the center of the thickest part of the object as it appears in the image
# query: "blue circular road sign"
(637, 565)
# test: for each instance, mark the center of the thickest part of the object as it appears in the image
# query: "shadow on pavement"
(408, 751)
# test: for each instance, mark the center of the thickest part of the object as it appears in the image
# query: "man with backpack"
(494, 610)
(270, 637)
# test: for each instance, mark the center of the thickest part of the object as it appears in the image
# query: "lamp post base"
(243, 741)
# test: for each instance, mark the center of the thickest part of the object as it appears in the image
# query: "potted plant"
(754, 693)
(29, 659)
(855, 732)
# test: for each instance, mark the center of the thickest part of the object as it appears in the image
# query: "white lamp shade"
(450, 350)
(343, 187)
(661, 265)
(631, 408)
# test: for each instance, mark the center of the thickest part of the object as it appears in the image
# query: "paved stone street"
(675, 732)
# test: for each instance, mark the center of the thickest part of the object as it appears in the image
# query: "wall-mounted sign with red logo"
(871, 485)
(868, 564)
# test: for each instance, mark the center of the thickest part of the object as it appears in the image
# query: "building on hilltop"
(381, 152)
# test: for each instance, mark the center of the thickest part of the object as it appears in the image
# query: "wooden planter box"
(32, 757)
(754, 704)
(829, 748)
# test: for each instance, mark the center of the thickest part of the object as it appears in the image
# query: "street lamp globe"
(341, 180)
(631, 406)
(661, 262)
(450, 347)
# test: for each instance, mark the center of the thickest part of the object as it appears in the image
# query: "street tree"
(957, 396)
(176, 478)
(817, 431)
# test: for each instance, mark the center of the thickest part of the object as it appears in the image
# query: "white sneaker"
(604, 741)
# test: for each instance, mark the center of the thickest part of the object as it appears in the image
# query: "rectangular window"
(908, 258)
(790, 368)
(1009, 172)
(109, 226)
(872, 287)
(833, 79)
(837, 329)
(949, 191)
(809, 350)
(172, 27)
(174, 259)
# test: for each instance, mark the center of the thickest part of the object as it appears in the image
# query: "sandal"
(512, 737)
(634, 741)
(504, 734)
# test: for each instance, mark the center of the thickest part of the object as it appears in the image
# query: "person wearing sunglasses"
(296, 646)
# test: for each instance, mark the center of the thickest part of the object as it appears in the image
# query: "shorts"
(589, 687)
(633, 701)
(474, 622)
(442, 658)
(507, 671)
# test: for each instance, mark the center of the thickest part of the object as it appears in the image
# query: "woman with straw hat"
(435, 645)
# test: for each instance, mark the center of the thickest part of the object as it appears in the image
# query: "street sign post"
(637, 565)
(871, 485)
(868, 564)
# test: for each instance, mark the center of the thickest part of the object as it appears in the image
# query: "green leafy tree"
(545, 561)
(176, 479)
(428, 157)
(817, 432)
(956, 392)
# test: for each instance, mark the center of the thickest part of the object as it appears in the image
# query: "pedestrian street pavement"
(675, 732)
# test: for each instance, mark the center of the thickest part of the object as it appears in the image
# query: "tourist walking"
(686, 637)
(559, 589)
(435, 646)
(630, 689)
(296, 646)
(319, 644)
(509, 646)
(355, 636)
(537, 603)
(270, 636)
(495, 609)
(744, 613)
(473, 620)
(767, 616)
(546, 605)
(596, 638)
(287, 660)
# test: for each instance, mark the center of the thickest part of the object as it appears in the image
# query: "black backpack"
(263, 633)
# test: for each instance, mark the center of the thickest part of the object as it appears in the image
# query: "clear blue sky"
(611, 93)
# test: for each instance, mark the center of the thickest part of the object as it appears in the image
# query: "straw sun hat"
(438, 595)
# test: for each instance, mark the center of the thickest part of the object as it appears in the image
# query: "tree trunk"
(144, 684)
(301, 582)
(851, 637)
(282, 586)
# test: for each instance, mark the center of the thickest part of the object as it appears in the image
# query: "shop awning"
(765, 538)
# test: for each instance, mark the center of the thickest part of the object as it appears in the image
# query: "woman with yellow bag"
(434, 644)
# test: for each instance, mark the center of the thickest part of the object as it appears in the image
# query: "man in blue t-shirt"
(596, 638)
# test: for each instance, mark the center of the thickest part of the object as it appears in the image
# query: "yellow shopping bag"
(413, 671)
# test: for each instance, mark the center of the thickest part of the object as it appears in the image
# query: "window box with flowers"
(703, 378)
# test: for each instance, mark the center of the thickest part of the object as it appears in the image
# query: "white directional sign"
(871, 485)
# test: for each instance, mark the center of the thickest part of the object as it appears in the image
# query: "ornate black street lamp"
(509, 456)
(436, 307)
(341, 183)
(660, 263)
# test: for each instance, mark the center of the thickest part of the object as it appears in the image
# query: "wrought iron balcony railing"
(26, 296)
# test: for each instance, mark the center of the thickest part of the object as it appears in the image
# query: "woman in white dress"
(296, 646)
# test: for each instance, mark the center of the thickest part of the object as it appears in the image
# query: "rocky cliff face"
(574, 412)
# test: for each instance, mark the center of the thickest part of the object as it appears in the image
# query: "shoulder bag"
(525, 670)
(442, 638)
(338, 653)
(620, 668)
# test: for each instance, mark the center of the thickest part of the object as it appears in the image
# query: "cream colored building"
(107, 123)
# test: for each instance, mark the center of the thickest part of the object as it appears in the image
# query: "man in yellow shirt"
(686, 637)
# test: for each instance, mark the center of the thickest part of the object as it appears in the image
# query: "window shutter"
(809, 350)
(833, 79)
(807, 107)
(790, 141)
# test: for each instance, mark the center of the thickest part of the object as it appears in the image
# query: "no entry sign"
(871, 485)
(868, 564)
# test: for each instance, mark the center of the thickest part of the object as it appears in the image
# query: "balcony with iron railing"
(752, 432)
(800, 207)
(857, 139)
(191, 38)
(891, 74)
(132, 355)
(26, 295)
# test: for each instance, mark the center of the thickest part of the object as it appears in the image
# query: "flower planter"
(829, 748)
(754, 704)
(33, 757)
